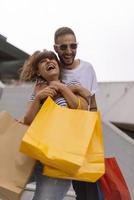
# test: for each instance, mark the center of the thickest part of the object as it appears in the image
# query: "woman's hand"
(45, 92)
(60, 86)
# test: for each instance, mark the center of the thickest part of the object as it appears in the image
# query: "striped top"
(59, 100)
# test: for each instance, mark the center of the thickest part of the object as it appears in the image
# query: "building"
(11, 59)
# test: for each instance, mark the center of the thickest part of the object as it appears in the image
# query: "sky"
(104, 31)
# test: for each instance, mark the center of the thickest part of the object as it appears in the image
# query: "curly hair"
(30, 67)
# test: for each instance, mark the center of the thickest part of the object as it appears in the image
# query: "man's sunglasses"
(64, 47)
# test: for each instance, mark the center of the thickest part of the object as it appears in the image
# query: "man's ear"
(55, 48)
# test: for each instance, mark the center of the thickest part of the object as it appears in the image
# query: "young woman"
(44, 68)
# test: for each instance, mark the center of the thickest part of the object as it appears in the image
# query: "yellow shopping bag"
(59, 136)
(93, 167)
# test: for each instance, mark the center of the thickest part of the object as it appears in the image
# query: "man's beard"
(64, 63)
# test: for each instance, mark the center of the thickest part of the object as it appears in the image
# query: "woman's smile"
(49, 69)
(50, 66)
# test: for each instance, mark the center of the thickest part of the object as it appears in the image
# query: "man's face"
(66, 47)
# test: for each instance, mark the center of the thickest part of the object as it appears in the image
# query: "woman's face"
(49, 69)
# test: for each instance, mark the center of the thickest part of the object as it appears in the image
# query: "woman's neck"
(54, 80)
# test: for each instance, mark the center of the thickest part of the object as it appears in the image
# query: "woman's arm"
(33, 108)
(35, 105)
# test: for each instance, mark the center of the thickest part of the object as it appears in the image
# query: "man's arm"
(93, 104)
(91, 100)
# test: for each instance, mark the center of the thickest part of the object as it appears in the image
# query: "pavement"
(30, 188)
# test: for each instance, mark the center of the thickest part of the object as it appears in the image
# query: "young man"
(83, 72)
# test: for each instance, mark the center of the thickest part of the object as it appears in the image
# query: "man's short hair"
(63, 31)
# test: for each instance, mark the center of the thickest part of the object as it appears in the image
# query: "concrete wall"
(15, 99)
(117, 144)
(115, 101)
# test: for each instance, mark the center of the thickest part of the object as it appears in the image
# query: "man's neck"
(73, 66)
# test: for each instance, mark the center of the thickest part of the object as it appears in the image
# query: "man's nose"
(68, 50)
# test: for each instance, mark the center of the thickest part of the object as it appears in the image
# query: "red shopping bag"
(112, 183)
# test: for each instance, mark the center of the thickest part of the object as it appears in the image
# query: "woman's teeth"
(50, 67)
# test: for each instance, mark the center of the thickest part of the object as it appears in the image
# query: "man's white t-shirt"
(84, 74)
